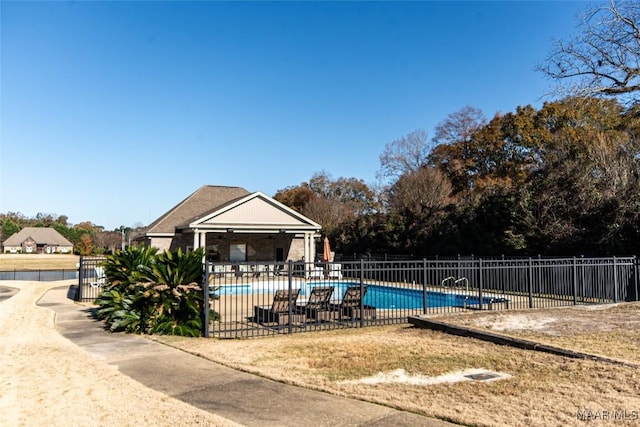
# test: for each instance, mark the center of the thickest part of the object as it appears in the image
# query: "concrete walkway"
(243, 398)
(6, 292)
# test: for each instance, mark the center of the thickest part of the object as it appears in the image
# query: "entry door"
(238, 252)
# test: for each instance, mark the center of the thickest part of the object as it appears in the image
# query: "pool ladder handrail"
(444, 281)
(466, 282)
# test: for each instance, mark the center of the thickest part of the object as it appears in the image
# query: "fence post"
(615, 280)
(80, 279)
(636, 263)
(362, 293)
(480, 283)
(634, 272)
(530, 282)
(424, 285)
(205, 299)
(575, 281)
(290, 280)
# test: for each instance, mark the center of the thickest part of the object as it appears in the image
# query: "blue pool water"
(234, 290)
(382, 297)
(401, 298)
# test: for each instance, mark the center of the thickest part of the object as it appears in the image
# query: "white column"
(306, 254)
(203, 243)
(312, 246)
(196, 239)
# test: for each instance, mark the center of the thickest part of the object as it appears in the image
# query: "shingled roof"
(199, 203)
(41, 235)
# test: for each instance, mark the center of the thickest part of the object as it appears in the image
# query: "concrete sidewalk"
(243, 398)
(6, 292)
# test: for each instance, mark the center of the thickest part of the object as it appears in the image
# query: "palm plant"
(151, 293)
(130, 266)
(176, 293)
(121, 303)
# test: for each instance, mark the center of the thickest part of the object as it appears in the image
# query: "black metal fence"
(258, 299)
(91, 278)
(269, 298)
(39, 275)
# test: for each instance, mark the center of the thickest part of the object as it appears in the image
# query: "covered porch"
(253, 229)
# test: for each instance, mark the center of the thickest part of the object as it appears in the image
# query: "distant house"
(37, 240)
(234, 225)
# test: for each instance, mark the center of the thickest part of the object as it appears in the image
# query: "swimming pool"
(391, 297)
(382, 297)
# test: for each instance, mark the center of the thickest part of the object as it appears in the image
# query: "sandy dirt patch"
(45, 380)
(401, 376)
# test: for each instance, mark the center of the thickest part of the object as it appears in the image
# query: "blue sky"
(113, 112)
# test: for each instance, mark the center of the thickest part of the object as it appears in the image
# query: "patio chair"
(241, 270)
(316, 272)
(278, 312)
(267, 271)
(351, 307)
(279, 270)
(335, 271)
(100, 279)
(218, 271)
(317, 306)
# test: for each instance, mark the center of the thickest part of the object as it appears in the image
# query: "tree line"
(563, 179)
(559, 180)
(87, 238)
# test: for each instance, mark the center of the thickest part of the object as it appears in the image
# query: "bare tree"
(421, 192)
(604, 58)
(404, 155)
(454, 151)
(460, 126)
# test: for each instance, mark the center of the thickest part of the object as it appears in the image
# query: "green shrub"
(153, 293)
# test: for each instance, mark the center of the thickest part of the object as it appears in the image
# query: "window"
(238, 252)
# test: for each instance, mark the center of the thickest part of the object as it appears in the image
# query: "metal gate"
(91, 278)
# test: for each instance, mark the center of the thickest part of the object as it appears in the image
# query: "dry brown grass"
(544, 390)
(611, 330)
(10, 262)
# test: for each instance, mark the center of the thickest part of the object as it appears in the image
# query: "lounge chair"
(218, 271)
(317, 306)
(335, 271)
(267, 271)
(316, 272)
(100, 279)
(241, 270)
(351, 307)
(279, 311)
(279, 270)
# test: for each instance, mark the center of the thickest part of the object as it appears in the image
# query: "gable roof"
(203, 200)
(256, 212)
(41, 235)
